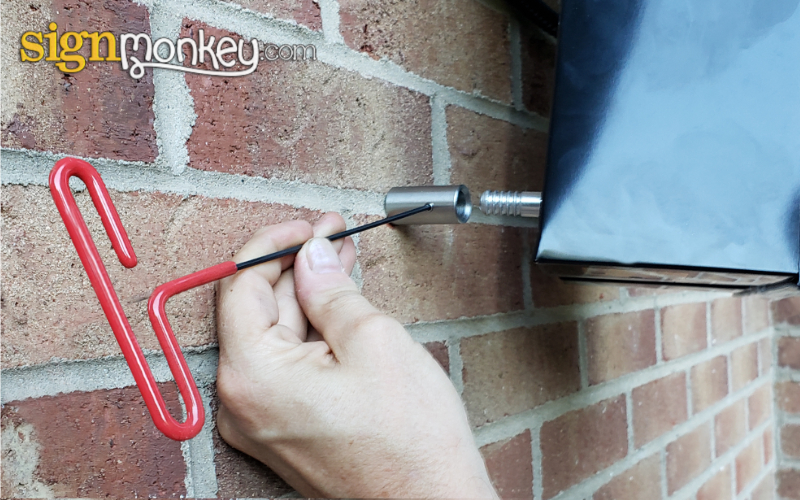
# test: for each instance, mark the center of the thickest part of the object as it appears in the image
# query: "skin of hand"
(327, 391)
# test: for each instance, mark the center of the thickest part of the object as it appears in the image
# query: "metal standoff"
(514, 203)
(451, 204)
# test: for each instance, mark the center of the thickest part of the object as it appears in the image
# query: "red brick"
(744, 366)
(580, 443)
(49, 308)
(643, 480)
(788, 484)
(718, 487)
(765, 355)
(463, 45)
(726, 319)
(440, 353)
(510, 468)
(790, 440)
(709, 383)
(760, 405)
(620, 343)
(280, 123)
(240, 475)
(428, 273)
(769, 445)
(789, 352)
(683, 329)
(787, 396)
(98, 112)
(517, 156)
(303, 12)
(756, 313)
(687, 457)
(749, 463)
(786, 311)
(90, 444)
(730, 427)
(538, 71)
(765, 489)
(512, 371)
(651, 290)
(658, 407)
(549, 290)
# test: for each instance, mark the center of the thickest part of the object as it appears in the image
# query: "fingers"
(329, 298)
(290, 314)
(332, 223)
(246, 304)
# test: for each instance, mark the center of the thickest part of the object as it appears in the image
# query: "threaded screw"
(514, 203)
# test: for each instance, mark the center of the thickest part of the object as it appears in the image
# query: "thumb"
(329, 298)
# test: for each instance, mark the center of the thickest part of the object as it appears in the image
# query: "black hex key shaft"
(337, 236)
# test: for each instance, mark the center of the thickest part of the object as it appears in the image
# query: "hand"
(326, 390)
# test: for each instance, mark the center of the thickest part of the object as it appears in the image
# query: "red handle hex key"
(98, 276)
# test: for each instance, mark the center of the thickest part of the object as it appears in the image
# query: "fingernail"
(322, 257)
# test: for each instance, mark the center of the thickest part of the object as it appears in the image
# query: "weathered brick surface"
(764, 355)
(788, 483)
(658, 407)
(90, 444)
(510, 468)
(459, 44)
(718, 487)
(303, 12)
(487, 153)
(790, 440)
(548, 290)
(643, 480)
(582, 442)
(512, 371)
(440, 353)
(744, 366)
(765, 489)
(709, 383)
(239, 475)
(683, 329)
(789, 352)
(786, 311)
(282, 122)
(538, 71)
(618, 344)
(787, 396)
(769, 445)
(730, 426)
(756, 313)
(726, 319)
(97, 112)
(49, 308)
(687, 457)
(426, 273)
(749, 463)
(760, 405)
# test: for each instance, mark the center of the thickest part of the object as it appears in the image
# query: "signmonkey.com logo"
(138, 52)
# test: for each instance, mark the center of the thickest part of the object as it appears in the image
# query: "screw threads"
(513, 203)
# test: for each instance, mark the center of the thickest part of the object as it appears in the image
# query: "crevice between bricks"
(32, 168)
(173, 105)
(329, 11)
(440, 148)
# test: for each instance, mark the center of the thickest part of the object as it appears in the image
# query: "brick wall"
(574, 391)
(786, 314)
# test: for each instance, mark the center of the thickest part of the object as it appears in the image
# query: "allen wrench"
(98, 276)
